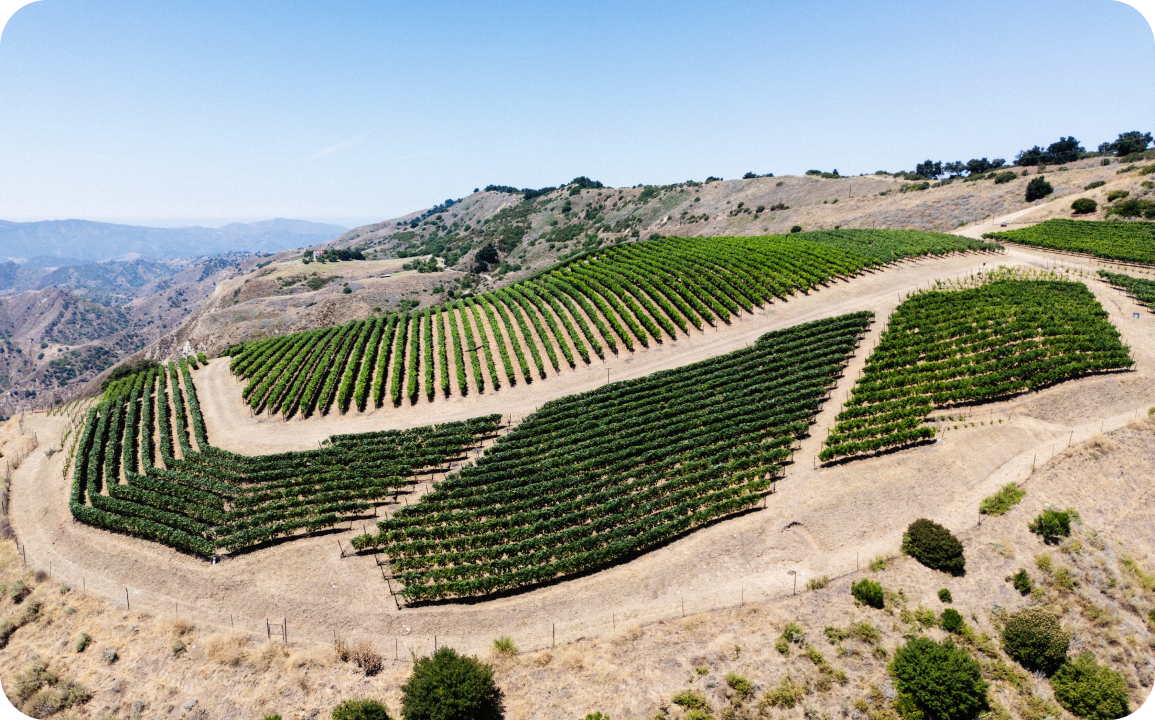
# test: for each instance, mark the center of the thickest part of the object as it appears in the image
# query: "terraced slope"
(1111, 240)
(130, 477)
(594, 477)
(958, 347)
(610, 301)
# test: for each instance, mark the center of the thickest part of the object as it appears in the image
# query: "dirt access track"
(821, 520)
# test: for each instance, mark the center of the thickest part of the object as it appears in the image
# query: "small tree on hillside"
(1038, 188)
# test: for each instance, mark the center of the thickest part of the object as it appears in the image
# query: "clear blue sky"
(353, 111)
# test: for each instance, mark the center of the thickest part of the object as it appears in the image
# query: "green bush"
(740, 685)
(1022, 581)
(1117, 195)
(1005, 177)
(1051, 525)
(448, 686)
(952, 621)
(1083, 206)
(1007, 497)
(83, 642)
(867, 592)
(689, 699)
(360, 709)
(944, 596)
(1038, 188)
(934, 546)
(1096, 184)
(796, 229)
(1034, 639)
(940, 681)
(1090, 690)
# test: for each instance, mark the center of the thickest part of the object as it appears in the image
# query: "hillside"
(533, 234)
(57, 338)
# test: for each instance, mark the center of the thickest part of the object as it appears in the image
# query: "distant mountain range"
(53, 243)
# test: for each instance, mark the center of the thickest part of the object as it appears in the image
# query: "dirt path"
(821, 521)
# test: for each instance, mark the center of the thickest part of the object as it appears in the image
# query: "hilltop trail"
(820, 521)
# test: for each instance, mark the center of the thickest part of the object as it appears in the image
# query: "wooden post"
(268, 629)
(683, 607)
(553, 637)
(285, 630)
(127, 604)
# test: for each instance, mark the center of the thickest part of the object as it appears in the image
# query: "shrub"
(1004, 177)
(740, 685)
(944, 596)
(934, 546)
(1090, 690)
(1034, 639)
(786, 695)
(448, 686)
(1051, 525)
(360, 709)
(1096, 184)
(504, 646)
(1117, 195)
(83, 642)
(689, 699)
(7, 627)
(17, 591)
(941, 681)
(110, 655)
(952, 621)
(366, 658)
(818, 583)
(1007, 497)
(796, 229)
(1022, 581)
(1083, 206)
(867, 592)
(1038, 188)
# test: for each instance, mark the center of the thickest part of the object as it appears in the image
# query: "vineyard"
(615, 300)
(1142, 290)
(144, 467)
(595, 477)
(946, 348)
(1114, 240)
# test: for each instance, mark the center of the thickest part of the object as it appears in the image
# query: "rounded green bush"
(360, 709)
(448, 686)
(952, 620)
(1022, 581)
(944, 596)
(934, 546)
(1090, 690)
(1051, 525)
(941, 681)
(867, 592)
(796, 229)
(1038, 188)
(1034, 638)
(1083, 206)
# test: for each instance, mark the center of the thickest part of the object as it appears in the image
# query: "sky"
(353, 112)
